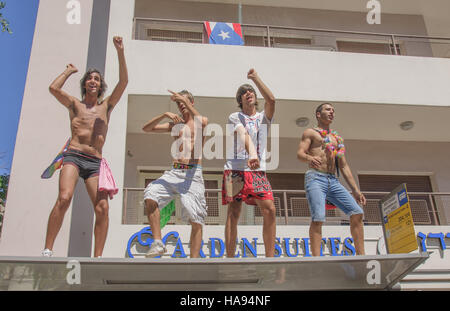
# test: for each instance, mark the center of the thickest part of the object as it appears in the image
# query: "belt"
(322, 173)
(182, 166)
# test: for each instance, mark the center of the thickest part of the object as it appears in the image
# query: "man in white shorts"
(185, 178)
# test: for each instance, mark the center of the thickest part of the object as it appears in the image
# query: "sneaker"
(47, 253)
(156, 249)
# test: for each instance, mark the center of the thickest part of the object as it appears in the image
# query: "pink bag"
(106, 180)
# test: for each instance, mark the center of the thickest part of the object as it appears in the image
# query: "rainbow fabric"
(56, 164)
(166, 212)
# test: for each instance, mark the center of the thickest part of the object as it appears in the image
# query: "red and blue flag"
(224, 33)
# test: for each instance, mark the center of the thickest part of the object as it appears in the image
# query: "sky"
(15, 51)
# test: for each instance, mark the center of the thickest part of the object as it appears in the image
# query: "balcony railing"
(299, 38)
(292, 209)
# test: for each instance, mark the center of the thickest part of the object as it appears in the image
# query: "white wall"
(305, 75)
(43, 129)
(120, 24)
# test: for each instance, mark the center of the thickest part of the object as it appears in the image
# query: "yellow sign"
(397, 221)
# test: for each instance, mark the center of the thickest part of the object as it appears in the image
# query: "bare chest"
(84, 114)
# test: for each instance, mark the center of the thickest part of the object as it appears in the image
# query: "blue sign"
(402, 197)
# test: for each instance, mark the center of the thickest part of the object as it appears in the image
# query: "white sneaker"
(156, 249)
(47, 253)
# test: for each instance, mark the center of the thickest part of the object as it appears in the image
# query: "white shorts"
(188, 183)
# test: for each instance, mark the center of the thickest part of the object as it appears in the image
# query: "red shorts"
(245, 186)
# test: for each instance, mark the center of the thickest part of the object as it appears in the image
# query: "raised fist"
(71, 68)
(118, 42)
(252, 74)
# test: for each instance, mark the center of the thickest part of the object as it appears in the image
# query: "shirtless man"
(244, 177)
(89, 118)
(323, 149)
(185, 178)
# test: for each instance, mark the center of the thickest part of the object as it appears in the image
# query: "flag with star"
(223, 33)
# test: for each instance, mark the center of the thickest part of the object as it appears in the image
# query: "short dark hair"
(103, 85)
(320, 107)
(188, 94)
(241, 91)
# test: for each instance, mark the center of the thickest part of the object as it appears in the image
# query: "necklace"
(328, 144)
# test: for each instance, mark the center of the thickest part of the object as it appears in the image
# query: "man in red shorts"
(244, 177)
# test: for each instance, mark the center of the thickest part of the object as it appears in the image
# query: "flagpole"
(240, 13)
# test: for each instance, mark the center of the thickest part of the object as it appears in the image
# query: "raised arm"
(154, 126)
(269, 106)
(176, 97)
(56, 87)
(348, 176)
(114, 98)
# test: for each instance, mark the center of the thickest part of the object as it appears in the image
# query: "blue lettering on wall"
(348, 248)
(202, 254)
(213, 247)
(439, 236)
(179, 250)
(306, 247)
(278, 249)
(247, 245)
(422, 237)
(323, 242)
(334, 247)
(289, 247)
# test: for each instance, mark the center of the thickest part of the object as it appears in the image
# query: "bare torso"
(89, 126)
(187, 138)
(317, 148)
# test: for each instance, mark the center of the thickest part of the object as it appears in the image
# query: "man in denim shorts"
(323, 149)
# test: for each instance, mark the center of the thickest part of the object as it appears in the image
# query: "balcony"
(292, 209)
(171, 30)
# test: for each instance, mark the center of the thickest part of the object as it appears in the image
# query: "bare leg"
(154, 218)
(68, 178)
(315, 235)
(269, 225)
(196, 239)
(101, 209)
(357, 231)
(233, 213)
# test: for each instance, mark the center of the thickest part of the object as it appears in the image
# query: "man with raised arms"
(244, 178)
(185, 178)
(324, 151)
(89, 119)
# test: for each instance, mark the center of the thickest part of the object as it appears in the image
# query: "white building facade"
(378, 76)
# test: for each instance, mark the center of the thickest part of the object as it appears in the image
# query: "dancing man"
(89, 119)
(244, 177)
(185, 178)
(324, 151)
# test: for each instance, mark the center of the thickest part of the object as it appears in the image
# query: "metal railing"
(292, 208)
(172, 30)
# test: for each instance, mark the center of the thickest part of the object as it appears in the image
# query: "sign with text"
(397, 222)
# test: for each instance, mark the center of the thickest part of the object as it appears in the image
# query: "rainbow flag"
(166, 212)
(56, 164)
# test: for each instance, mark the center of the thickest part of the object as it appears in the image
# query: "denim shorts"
(323, 186)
